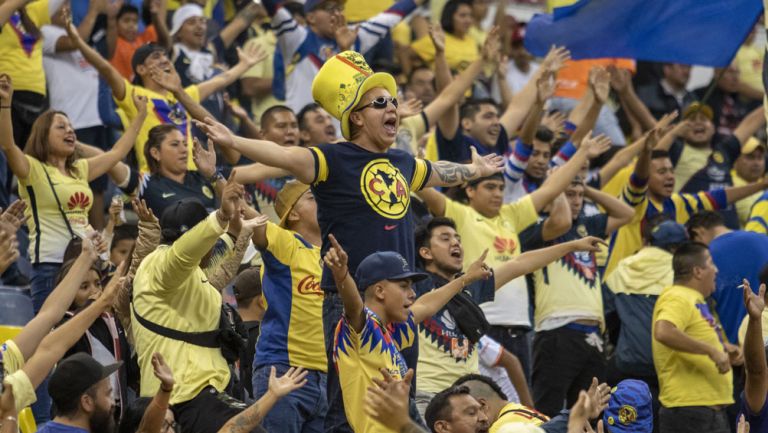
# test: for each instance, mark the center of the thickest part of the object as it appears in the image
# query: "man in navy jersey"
(362, 188)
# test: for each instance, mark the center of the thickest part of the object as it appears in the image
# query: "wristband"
(5, 106)
(216, 177)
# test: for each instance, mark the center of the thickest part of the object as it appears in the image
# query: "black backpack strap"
(203, 339)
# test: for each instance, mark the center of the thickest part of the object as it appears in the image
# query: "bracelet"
(11, 419)
(5, 106)
(166, 390)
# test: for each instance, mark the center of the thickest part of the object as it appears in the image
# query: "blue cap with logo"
(384, 265)
(668, 233)
(630, 408)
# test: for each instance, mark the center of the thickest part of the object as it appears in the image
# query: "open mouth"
(456, 253)
(494, 131)
(330, 131)
(70, 140)
(390, 125)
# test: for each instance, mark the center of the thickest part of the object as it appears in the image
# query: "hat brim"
(373, 81)
(111, 368)
(284, 219)
(413, 276)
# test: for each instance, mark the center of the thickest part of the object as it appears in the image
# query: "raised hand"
(113, 7)
(9, 249)
(144, 213)
(598, 146)
(6, 89)
(589, 243)
(545, 87)
(336, 259)
(14, 215)
(93, 245)
(743, 425)
(755, 303)
(253, 223)
(621, 79)
(599, 394)
(478, 270)
(387, 402)
(555, 59)
(600, 82)
(140, 101)
(293, 379)
(345, 36)
(109, 294)
(438, 37)
(204, 159)
(230, 198)
(216, 131)
(69, 26)
(115, 208)
(492, 45)
(237, 110)
(410, 108)
(555, 122)
(251, 55)
(486, 165)
(163, 372)
(579, 416)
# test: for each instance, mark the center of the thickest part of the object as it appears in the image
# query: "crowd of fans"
(371, 216)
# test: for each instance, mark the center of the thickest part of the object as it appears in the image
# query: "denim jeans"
(41, 285)
(335, 419)
(301, 411)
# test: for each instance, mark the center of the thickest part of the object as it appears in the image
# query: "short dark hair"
(128, 9)
(154, 139)
(484, 380)
(302, 116)
(450, 8)
(271, 111)
(123, 232)
(544, 134)
(705, 219)
(470, 108)
(423, 233)
(439, 408)
(295, 8)
(688, 256)
(474, 183)
(659, 154)
(415, 69)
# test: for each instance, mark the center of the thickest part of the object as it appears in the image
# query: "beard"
(102, 421)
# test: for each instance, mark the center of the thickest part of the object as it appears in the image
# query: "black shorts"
(207, 412)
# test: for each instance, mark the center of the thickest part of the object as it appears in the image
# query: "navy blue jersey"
(363, 199)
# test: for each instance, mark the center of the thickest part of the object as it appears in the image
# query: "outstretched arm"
(248, 58)
(750, 124)
(430, 303)
(8, 7)
(621, 82)
(16, 160)
(532, 260)
(296, 160)
(446, 173)
(104, 162)
(558, 181)
(354, 310)
(756, 385)
(171, 82)
(113, 78)
(154, 415)
(736, 193)
(56, 344)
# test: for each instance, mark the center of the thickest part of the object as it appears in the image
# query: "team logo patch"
(207, 192)
(627, 415)
(78, 200)
(504, 245)
(385, 189)
(718, 157)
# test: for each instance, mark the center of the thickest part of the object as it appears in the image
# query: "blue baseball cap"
(668, 233)
(384, 265)
(630, 408)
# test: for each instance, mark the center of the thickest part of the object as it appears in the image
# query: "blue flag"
(693, 32)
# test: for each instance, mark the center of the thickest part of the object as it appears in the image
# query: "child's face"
(89, 288)
(128, 26)
(120, 251)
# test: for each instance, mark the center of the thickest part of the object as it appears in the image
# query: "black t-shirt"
(161, 192)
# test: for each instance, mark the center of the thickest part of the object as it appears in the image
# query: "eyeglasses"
(170, 427)
(379, 103)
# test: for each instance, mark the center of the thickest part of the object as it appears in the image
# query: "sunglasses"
(379, 103)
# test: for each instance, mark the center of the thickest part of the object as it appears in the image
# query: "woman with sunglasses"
(53, 181)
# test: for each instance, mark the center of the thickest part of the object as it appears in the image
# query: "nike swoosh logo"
(168, 194)
(389, 228)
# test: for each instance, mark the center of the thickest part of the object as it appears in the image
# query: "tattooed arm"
(446, 173)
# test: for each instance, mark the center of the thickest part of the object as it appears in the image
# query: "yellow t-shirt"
(49, 235)
(13, 361)
(692, 159)
(171, 290)
(687, 379)
(500, 236)
(361, 10)
(359, 357)
(458, 52)
(161, 109)
(517, 413)
(745, 322)
(21, 53)
(744, 206)
(267, 41)
(292, 328)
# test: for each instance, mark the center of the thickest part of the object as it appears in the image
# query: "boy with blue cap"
(376, 326)
(630, 409)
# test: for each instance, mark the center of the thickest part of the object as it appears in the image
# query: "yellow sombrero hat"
(341, 83)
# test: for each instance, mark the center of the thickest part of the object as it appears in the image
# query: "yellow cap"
(751, 145)
(287, 198)
(696, 107)
(341, 83)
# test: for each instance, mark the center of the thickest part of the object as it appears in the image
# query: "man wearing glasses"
(302, 50)
(362, 188)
